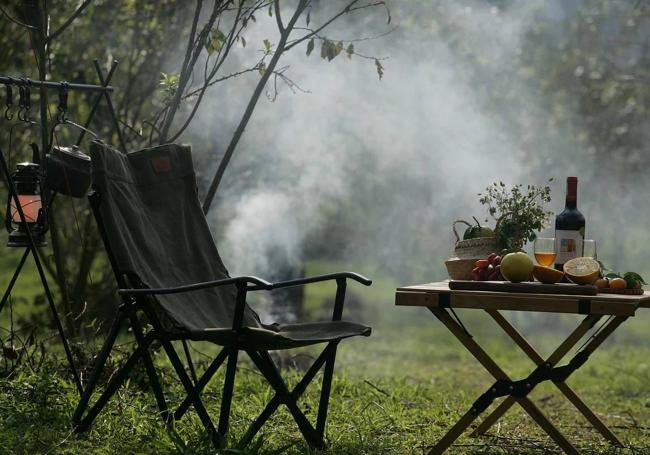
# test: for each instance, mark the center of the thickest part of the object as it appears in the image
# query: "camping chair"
(169, 271)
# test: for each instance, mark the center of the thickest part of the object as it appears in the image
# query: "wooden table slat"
(607, 304)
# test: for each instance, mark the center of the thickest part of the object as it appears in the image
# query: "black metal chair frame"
(135, 300)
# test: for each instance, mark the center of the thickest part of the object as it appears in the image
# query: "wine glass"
(589, 249)
(545, 251)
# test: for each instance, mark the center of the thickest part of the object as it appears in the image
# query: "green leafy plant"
(520, 212)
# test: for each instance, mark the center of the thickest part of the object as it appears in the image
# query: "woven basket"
(467, 252)
(478, 248)
(460, 269)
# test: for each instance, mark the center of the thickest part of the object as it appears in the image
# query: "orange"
(547, 275)
(602, 283)
(618, 283)
(582, 270)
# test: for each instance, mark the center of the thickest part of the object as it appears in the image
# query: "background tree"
(156, 96)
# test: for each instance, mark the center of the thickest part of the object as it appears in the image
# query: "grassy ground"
(395, 392)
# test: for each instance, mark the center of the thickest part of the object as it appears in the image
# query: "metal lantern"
(27, 182)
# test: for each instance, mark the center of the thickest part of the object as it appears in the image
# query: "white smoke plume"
(406, 154)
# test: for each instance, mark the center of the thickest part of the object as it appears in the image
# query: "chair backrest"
(154, 227)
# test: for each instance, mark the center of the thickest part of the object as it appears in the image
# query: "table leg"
(562, 386)
(586, 324)
(496, 371)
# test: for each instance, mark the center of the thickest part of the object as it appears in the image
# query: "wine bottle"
(569, 227)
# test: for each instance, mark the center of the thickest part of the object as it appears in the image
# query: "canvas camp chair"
(169, 272)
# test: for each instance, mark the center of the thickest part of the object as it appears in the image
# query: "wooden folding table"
(441, 301)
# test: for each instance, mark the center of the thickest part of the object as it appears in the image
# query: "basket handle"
(453, 228)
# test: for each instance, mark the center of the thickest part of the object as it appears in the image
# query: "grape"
(496, 274)
(491, 257)
(496, 260)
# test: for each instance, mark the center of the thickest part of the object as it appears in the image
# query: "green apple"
(516, 267)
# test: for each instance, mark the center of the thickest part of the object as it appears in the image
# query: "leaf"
(350, 50)
(612, 275)
(214, 42)
(310, 46)
(267, 45)
(243, 41)
(634, 276)
(630, 283)
(323, 48)
(380, 69)
(262, 68)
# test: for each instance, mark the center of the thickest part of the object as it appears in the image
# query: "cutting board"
(530, 287)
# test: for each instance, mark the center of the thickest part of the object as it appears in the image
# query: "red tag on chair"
(161, 164)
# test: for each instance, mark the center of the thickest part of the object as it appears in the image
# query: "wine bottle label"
(569, 245)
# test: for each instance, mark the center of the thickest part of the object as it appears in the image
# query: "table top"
(438, 295)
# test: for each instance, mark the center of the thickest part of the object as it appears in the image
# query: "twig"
(68, 21)
(376, 388)
(14, 20)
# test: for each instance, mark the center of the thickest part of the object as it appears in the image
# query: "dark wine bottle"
(569, 227)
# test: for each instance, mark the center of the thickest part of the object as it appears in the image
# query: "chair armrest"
(316, 279)
(241, 280)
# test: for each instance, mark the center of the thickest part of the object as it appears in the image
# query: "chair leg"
(269, 370)
(201, 383)
(111, 388)
(325, 391)
(99, 367)
(192, 393)
(228, 386)
(151, 370)
(190, 362)
(276, 401)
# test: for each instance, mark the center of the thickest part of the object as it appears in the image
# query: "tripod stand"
(30, 245)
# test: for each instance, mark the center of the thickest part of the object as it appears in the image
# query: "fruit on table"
(617, 283)
(547, 275)
(602, 283)
(477, 231)
(583, 270)
(632, 280)
(488, 269)
(517, 267)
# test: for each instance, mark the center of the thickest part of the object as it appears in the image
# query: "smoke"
(373, 172)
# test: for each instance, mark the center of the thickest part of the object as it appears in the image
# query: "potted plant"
(520, 213)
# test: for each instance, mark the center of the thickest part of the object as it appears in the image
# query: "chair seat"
(272, 337)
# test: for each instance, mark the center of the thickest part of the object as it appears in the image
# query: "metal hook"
(21, 102)
(28, 104)
(9, 101)
(63, 102)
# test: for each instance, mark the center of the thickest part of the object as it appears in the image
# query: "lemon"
(582, 270)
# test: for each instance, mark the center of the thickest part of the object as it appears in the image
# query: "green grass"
(395, 392)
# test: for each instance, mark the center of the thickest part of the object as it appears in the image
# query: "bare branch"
(188, 70)
(14, 20)
(347, 10)
(278, 19)
(280, 49)
(68, 21)
(200, 92)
